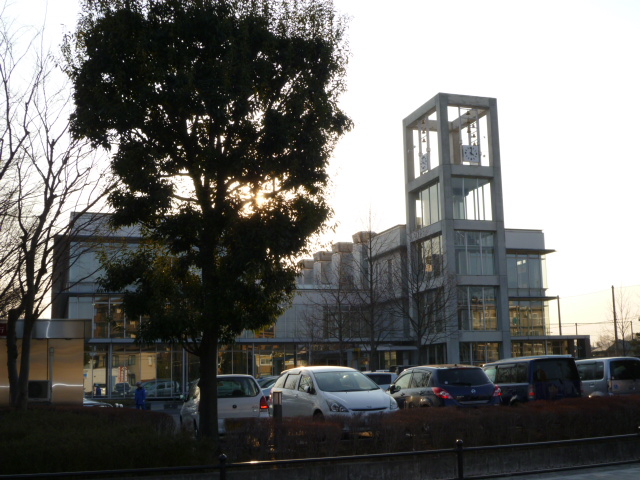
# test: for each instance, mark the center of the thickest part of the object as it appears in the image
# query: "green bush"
(49, 439)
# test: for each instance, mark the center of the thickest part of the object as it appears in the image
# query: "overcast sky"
(565, 76)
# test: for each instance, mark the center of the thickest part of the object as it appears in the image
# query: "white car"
(239, 396)
(335, 393)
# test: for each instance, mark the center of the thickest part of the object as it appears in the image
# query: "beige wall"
(57, 360)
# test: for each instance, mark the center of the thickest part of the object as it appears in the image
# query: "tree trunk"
(12, 354)
(209, 387)
(22, 399)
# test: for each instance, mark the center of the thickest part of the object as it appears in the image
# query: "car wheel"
(318, 417)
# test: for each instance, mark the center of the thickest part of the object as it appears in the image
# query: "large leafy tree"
(222, 116)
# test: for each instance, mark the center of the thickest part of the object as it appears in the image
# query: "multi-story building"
(454, 199)
(452, 285)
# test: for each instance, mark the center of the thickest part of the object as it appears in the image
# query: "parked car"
(544, 377)
(609, 376)
(382, 379)
(122, 389)
(338, 393)
(398, 369)
(239, 397)
(162, 388)
(266, 384)
(444, 385)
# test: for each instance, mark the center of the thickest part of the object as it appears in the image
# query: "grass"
(50, 439)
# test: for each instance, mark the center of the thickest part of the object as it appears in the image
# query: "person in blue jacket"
(141, 397)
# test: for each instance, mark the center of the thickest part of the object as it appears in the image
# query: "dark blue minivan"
(544, 377)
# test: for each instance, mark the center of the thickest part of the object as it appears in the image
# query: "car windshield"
(463, 377)
(344, 382)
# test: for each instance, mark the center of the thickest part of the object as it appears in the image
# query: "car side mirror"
(309, 389)
(393, 388)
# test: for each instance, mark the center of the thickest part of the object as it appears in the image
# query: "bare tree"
(373, 320)
(47, 181)
(626, 311)
(329, 317)
(428, 295)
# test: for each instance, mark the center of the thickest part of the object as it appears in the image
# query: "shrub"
(49, 439)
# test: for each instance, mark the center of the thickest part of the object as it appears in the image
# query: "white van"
(609, 376)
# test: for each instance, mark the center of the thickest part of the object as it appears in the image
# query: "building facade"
(453, 285)
(453, 193)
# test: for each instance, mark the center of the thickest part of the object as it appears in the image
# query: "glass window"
(306, 384)
(421, 379)
(471, 198)
(625, 369)
(85, 266)
(591, 370)
(431, 255)
(474, 253)
(403, 381)
(525, 274)
(101, 318)
(428, 209)
(116, 319)
(512, 272)
(291, 382)
(479, 353)
(527, 317)
(477, 308)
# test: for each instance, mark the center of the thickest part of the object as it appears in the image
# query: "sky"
(565, 76)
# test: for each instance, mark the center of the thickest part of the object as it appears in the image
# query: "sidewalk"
(618, 472)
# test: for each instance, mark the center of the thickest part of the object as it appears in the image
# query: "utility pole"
(615, 320)
(559, 319)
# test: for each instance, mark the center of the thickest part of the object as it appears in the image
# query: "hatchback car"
(239, 397)
(609, 376)
(444, 385)
(336, 393)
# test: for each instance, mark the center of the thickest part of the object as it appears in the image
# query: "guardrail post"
(459, 444)
(223, 466)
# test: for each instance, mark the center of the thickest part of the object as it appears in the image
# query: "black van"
(544, 377)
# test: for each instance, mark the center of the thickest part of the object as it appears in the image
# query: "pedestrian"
(98, 390)
(141, 397)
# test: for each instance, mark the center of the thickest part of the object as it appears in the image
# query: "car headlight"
(393, 405)
(337, 407)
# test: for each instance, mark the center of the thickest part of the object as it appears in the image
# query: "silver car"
(239, 396)
(330, 392)
(609, 376)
